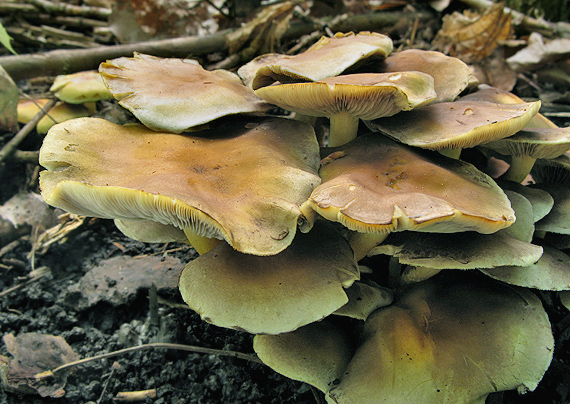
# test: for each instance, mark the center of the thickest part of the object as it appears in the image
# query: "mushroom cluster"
(377, 264)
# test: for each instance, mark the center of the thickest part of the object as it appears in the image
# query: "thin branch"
(11, 146)
(180, 347)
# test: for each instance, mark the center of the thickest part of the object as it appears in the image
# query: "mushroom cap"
(554, 171)
(469, 251)
(78, 88)
(176, 94)
(454, 338)
(457, 124)
(541, 201)
(365, 95)
(550, 272)
(149, 231)
(60, 112)
(493, 94)
(538, 143)
(317, 353)
(328, 57)
(558, 219)
(375, 185)
(276, 294)
(363, 299)
(451, 75)
(242, 182)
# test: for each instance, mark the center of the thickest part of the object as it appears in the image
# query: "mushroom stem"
(452, 153)
(519, 169)
(343, 129)
(200, 243)
(362, 243)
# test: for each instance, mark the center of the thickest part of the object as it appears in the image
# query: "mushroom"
(242, 181)
(456, 125)
(317, 353)
(346, 99)
(470, 250)
(60, 112)
(149, 231)
(451, 75)
(328, 57)
(375, 185)
(80, 88)
(550, 272)
(528, 145)
(176, 94)
(275, 294)
(454, 338)
(488, 93)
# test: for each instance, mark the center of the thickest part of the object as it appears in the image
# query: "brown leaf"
(268, 25)
(471, 36)
(35, 353)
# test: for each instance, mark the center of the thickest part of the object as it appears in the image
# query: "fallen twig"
(74, 60)
(180, 347)
(11, 146)
(134, 396)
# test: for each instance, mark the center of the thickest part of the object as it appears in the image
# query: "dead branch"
(69, 61)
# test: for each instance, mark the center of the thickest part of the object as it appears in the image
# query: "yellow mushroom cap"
(457, 124)
(176, 94)
(328, 57)
(276, 294)
(78, 88)
(366, 95)
(375, 185)
(242, 182)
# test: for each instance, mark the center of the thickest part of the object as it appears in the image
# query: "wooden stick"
(70, 61)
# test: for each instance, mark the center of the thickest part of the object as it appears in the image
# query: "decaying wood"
(69, 61)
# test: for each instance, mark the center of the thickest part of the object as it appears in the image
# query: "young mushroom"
(347, 99)
(242, 181)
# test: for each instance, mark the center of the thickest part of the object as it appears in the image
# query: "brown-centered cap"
(492, 94)
(454, 338)
(176, 94)
(275, 294)
(346, 99)
(328, 57)
(457, 124)
(451, 75)
(242, 182)
(375, 185)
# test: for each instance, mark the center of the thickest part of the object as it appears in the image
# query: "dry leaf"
(8, 102)
(263, 31)
(32, 354)
(538, 52)
(118, 280)
(471, 36)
